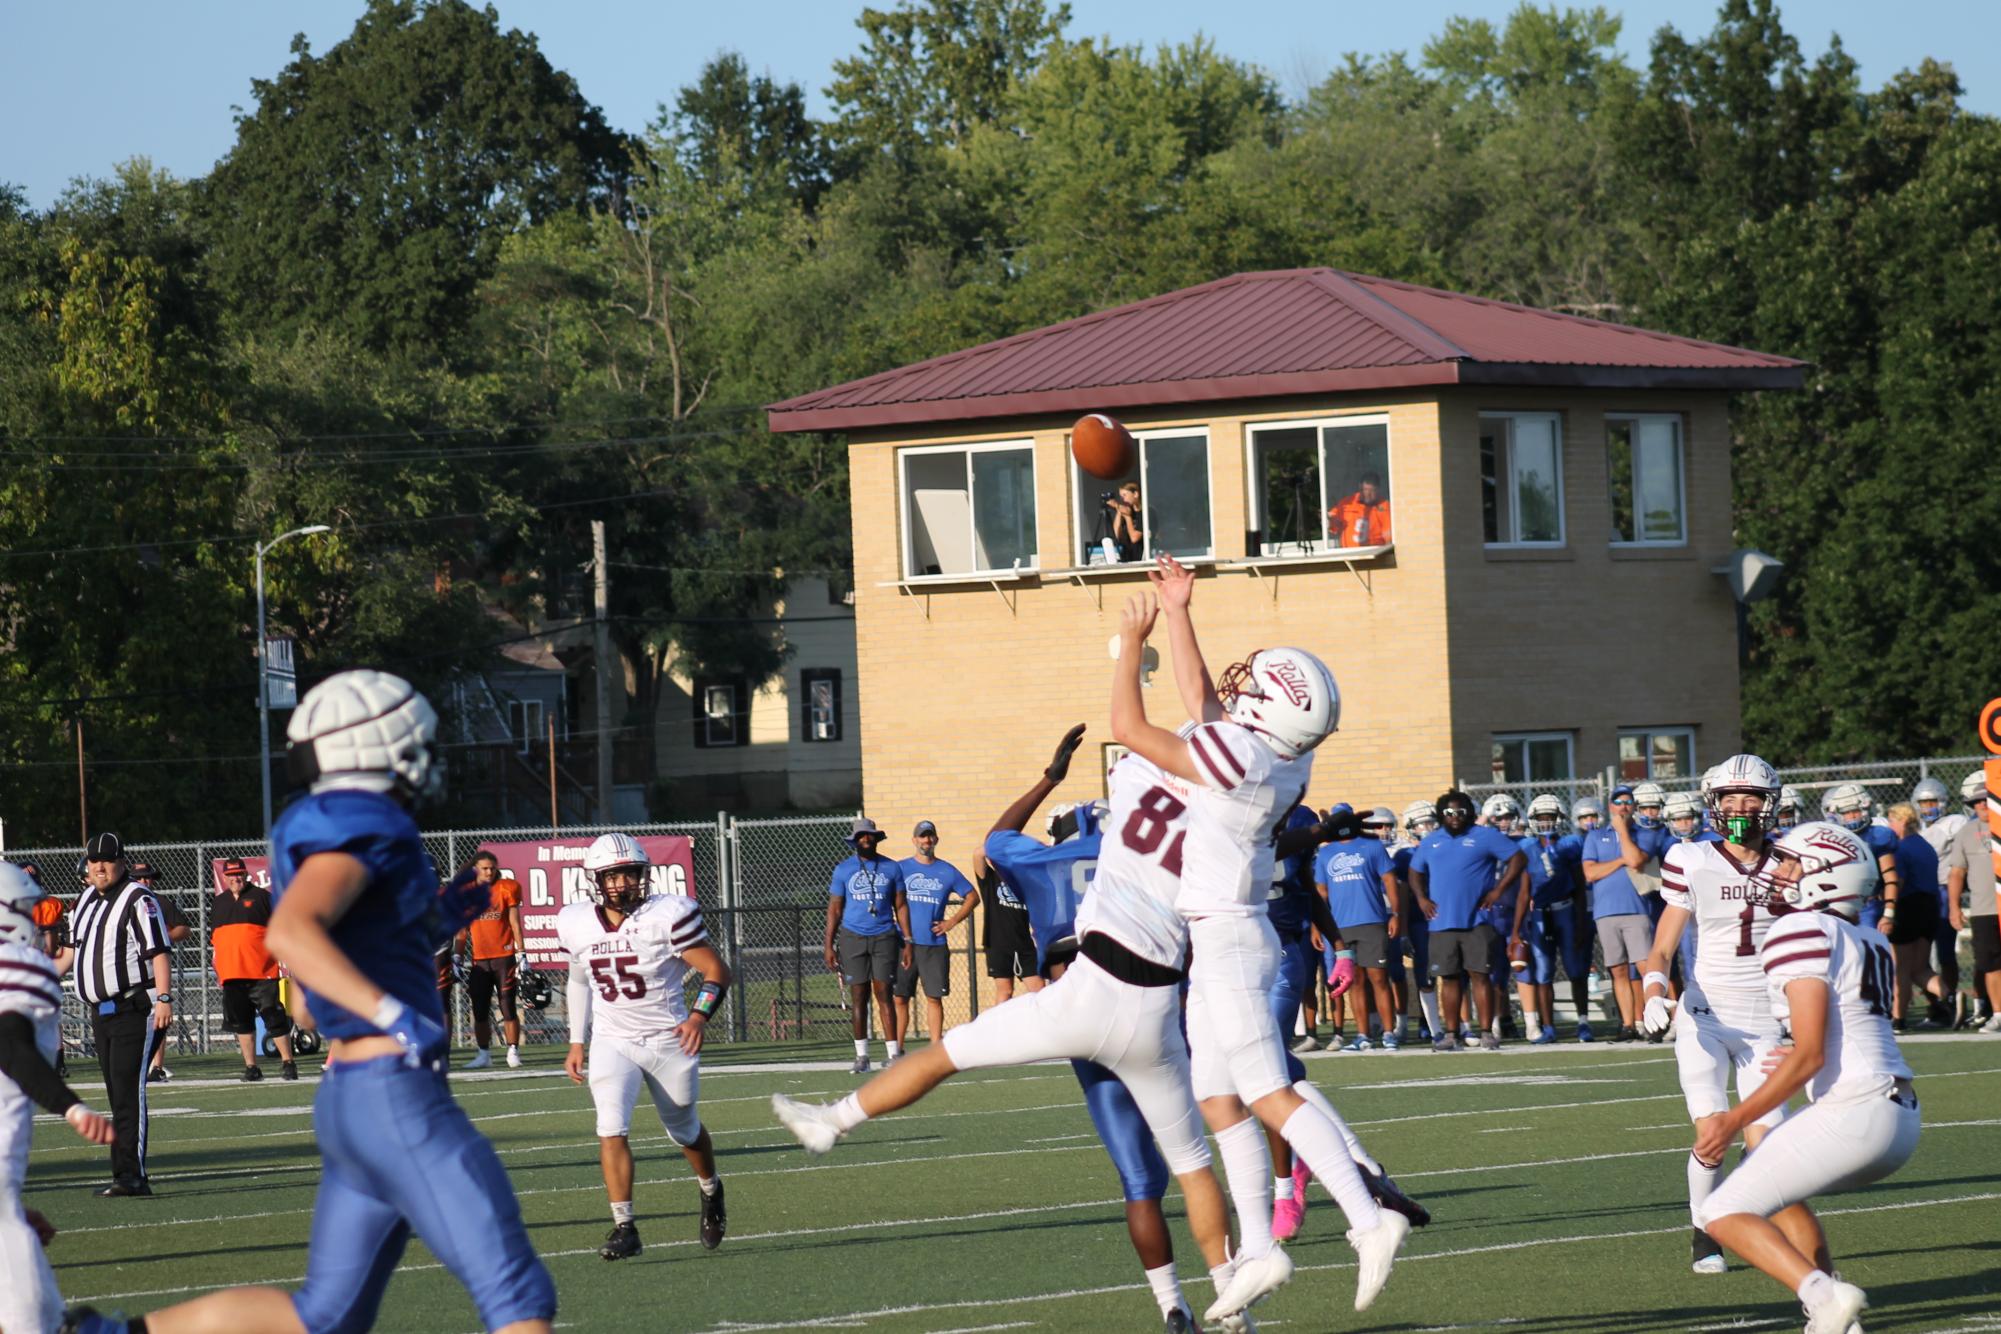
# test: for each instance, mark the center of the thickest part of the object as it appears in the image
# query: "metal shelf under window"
(1355, 558)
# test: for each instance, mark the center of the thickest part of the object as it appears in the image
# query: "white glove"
(1658, 1016)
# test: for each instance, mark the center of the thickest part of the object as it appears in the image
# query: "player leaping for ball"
(1232, 777)
(1726, 1013)
(630, 955)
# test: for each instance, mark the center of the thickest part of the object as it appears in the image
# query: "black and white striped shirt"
(117, 932)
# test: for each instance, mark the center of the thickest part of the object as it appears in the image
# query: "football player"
(1419, 819)
(1829, 983)
(358, 913)
(1792, 808)
(1552, 895)
(1850, 806)
(1726, 1019)
(630, 957)
(1233, 775)
(1118, 1002)
(1573, 928)
(31, 1002)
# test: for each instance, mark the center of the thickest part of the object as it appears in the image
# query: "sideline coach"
(121, 948)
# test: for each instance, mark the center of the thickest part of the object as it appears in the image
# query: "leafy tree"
(753, 130)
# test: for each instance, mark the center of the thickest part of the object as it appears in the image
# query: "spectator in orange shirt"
(496, 941)
(1362, 519)
(249, 974)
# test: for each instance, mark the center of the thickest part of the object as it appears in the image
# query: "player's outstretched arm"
(1174, 585)
(1015, 818)
(1130, 727)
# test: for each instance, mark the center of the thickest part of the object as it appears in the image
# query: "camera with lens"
(1108, 499)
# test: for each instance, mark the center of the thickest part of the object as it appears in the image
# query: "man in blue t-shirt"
(866, 912)
(1612, 855)
(1456, 874)
(928, 884)
(1357, 877)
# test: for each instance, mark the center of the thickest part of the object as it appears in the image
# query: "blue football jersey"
(1049, 880)
(389, 931)
(1288, 907)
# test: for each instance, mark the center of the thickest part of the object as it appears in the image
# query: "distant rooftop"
(1282, 332)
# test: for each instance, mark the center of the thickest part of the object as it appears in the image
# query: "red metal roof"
(1288, 331)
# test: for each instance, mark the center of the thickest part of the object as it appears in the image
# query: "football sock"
(895, 1049)
(1281, 1188)
(1701, 1181)
(1247, 1168)
(1815, 1288)
(709, 1185)
(1580, 998)
(1166, 1288)
(861, 1047)
(1318, 1099)
(1428, 1002)
(513, 1049)
(848, 1113)
(1315, 1139)
(621, 1211)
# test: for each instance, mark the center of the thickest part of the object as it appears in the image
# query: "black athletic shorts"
(1010, 947)
(1917, 916)
(1986, 943)
(932, 964)
(488, 976)
(867, 958)
(1371, 943)
(245, 998)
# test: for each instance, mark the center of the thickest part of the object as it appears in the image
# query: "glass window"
(1660, 753)
(1532, 757)
(1321, 485)
(720, 713)
(820, 704)
(1521, 479)
(1643, 462)
(968, 511)
(1170, 485)
(524, 722)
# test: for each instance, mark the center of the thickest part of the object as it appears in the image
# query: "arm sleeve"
(22, 1061)
(577, 1001)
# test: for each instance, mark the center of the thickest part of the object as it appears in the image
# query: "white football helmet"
(1973, 788)
(1648, 796)
(1499, 806)
(1791, 807)
(1587, 808)
(1285, 695)
(1821, 867)
(1546, 814)
(20, 893)
(1849, 804)
(364, 729)
(1683, 813)
(1929, 797)
(1742, 773)
(609, 852)
(1420, 818)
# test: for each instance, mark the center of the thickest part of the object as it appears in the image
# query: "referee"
(121, 946)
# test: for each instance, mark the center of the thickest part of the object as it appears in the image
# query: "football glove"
(1059, 764)
(421, 1037)
(1658, 1016)
(1342, 975)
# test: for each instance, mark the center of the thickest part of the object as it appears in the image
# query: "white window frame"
(1568, 739)
(1082, 512)
(1323, 545)
(1555, 419)
(730, 717)
(903, 457)
(1647, 735)
(1680, 476)
(526, 736)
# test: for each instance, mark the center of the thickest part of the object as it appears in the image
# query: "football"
(1102, 446)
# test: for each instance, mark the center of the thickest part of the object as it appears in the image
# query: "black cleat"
(1178, 1322)
(1389, 1196)
(620, 1242)
(715, 1219)
(290, 1070)
(252, 1073)
(122, 1188)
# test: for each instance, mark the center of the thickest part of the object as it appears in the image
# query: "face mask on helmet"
(19, 897)
(1285, 695)
(1853, 820)
(621, 888)
(1819, 867)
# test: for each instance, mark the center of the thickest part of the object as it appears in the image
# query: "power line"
(402, 433)
(159, 461)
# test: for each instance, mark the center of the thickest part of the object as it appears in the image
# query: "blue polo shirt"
(925, 889)
(1614, 896)
(1552, 876)
(1353, 871)
(1461, 870)
(869, 889)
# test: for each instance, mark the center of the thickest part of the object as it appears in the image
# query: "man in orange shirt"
(238, 917)
(1362, 519)
(496, 940)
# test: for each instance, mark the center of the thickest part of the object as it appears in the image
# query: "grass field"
(1554, 1174)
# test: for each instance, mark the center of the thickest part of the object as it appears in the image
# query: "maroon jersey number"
(615, 977)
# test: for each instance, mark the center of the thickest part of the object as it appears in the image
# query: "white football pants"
(28, 1297)
(618, 1066)
(1825, 1149)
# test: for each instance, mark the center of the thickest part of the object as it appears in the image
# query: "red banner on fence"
(551, 872)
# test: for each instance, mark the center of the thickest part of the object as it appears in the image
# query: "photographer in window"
(1119, 523)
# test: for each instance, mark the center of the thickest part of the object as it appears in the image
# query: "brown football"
(1102, 446)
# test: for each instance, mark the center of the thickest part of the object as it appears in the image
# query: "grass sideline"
(1555, 1176)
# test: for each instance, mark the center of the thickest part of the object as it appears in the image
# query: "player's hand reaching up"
(1173, 582)
(1136, 621)
(90, 1125)
(1059, 764)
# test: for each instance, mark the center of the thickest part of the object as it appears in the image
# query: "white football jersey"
(1939, 832)
(29, 987)
(1861, 975)
(1732, 915)
(1145, 834)
(634, 970)
(1245, 794)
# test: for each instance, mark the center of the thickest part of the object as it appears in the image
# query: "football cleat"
(290, 1070)
(481, 1059)
(251, 1074)
(621, 1242)
(1447, 1043)
(1360, 1042)
(1377, 1250)
(1584, 1032)
(1178, 1321)
(1252, 1277)
(1286, 1216)
(1240, 1323)
(1490, 1042)
(1307, 1042)
(860, 1067)
(810, 1123)
(715, 1219)
(1392, 1042)
(513, 1058)
(1390, 1196)
(1301, 1177)
(1706, 1255)
(1838, 1312)
(1544, 1038)
(159, 1074)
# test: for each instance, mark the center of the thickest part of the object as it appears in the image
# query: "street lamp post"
(264, 669)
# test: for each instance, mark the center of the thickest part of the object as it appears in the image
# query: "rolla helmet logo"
(1287, 676)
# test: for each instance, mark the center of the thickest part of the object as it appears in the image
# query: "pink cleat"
(1288, 1215)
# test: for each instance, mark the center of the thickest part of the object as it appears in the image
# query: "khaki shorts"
(1626, 938)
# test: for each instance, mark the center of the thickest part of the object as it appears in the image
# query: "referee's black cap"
(104, 848)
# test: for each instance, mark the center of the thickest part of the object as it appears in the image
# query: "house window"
(722, 713)
(524, 722)
(968, 509)
(820, 704)
(1643, 460)
(1172, 471)
(1320, 485)
(1521, 479)
(1660, 753)
(1532, 757)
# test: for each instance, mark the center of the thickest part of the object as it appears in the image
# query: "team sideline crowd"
(1172, 936)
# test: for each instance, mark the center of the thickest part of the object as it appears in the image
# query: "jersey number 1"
(1153, 814)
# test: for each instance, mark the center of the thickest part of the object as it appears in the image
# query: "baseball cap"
(863, 825)
(924, 827)
(104, 848)
(234, 866)
(1623, 790)
(143, 870)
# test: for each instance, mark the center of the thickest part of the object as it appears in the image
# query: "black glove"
(1059, 764)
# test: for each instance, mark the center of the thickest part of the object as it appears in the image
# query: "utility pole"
(601, 611)
(82, 802)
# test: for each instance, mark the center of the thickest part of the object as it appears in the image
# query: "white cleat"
(513, 1058)
(1837, 1315)
(1250, 1279)
(1240, 1323)
(1711, 1264)
(810, 1123)
(1377, 1250)
(481, 1059)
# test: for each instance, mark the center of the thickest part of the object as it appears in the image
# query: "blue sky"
(85, 84)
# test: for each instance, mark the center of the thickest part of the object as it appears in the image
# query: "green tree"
(730, 125)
